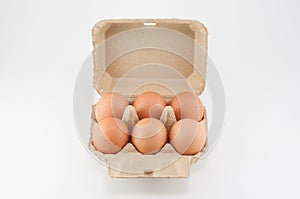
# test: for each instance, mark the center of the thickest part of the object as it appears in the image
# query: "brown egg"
(187, 136)
(110, 105)
(149, 104)
(187, 105)
(110, 136)
(149, 135)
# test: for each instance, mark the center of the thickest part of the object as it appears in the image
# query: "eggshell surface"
(111, 104)
(149, 135)
(110, 136)
(188, 136)
(187, 105)
(149, 104)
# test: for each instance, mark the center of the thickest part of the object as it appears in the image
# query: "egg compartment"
(132, 56)
(129, 162)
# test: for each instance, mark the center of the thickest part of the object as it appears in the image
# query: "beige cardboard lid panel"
(167, 56)
(132, 56)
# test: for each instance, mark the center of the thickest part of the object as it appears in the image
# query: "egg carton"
(133, 56)
(129, 162)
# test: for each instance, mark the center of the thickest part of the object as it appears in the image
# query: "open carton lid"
(132, 56)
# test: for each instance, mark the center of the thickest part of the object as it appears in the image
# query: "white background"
(255, 46)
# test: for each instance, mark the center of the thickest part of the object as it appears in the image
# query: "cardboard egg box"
(132, 56)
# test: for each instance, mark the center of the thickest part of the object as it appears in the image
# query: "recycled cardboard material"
(125, 61)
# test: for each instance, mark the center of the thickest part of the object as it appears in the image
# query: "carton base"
(179, 169)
